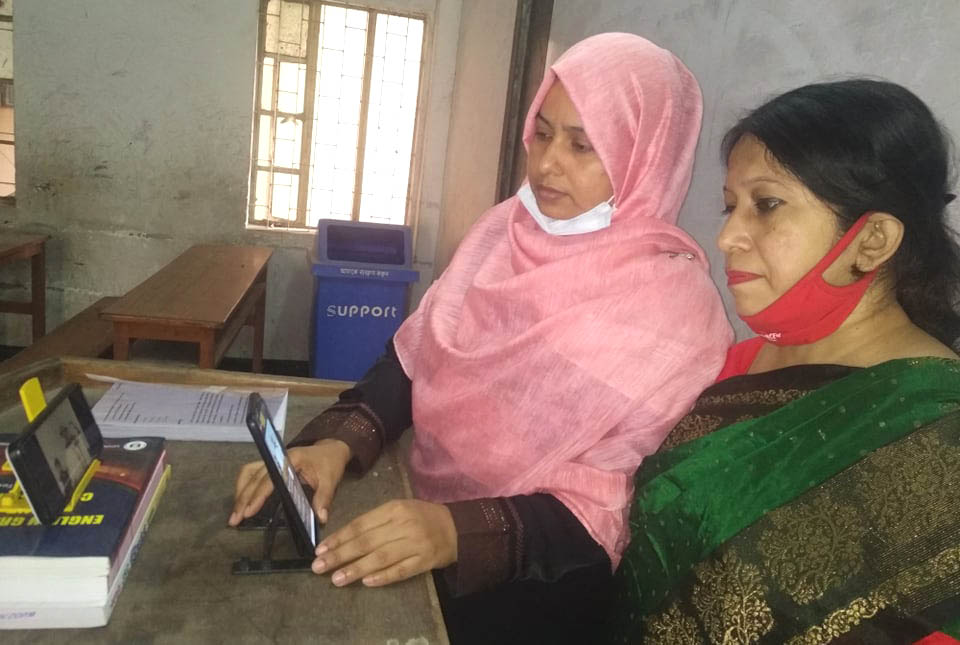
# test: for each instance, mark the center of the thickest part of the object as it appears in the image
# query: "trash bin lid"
(363, 242)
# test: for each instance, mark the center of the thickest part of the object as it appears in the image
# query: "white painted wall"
(133, 143)
(745, 51)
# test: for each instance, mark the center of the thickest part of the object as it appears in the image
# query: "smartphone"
(50, 457)
(296, 505)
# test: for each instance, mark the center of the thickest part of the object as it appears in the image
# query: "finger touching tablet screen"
(296, 506)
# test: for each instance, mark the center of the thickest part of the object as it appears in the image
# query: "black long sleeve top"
(500, 539)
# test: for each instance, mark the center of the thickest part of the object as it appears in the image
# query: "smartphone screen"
(51, 456)
(288, 474)
(64, 447)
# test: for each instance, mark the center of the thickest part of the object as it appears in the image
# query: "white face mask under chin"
(595, 219)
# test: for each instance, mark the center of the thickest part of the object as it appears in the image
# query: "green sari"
(826, 506)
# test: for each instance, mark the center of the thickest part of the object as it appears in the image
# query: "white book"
(62, 614)
(182, 412)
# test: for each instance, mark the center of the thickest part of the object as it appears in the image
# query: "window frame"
(306, 134)
(8, 85)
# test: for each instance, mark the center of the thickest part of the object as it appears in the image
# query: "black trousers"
(570, 610)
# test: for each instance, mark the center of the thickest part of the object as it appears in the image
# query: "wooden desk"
(203, 296)
(18, 246)
(180, 589)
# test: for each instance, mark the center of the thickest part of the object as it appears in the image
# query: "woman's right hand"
(320, 466)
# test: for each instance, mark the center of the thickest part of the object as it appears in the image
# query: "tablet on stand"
(293, 511)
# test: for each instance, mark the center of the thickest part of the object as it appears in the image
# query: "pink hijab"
(555, 364)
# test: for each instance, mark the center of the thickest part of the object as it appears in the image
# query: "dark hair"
(863, 145)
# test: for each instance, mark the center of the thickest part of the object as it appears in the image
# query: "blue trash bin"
(361, 275)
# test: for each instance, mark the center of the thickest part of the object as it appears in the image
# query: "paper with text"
(184, 412)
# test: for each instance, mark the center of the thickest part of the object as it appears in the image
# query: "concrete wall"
(133, 143)
(476, 124)
(745, 51)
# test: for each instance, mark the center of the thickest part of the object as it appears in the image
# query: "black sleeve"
(385, 391)
(524, 537)
(374, 411)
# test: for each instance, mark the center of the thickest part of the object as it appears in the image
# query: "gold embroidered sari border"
(841, 621)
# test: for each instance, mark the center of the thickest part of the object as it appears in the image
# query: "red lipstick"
(736, 277)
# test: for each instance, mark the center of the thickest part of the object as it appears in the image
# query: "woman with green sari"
(812, 495)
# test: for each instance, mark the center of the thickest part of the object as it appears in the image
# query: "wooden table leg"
(38, 280)
(206, 358)
(259, 324)
(121, 342)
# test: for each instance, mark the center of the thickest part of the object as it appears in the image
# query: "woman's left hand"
(393, 542)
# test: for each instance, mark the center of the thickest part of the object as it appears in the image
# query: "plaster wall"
(476, 124)
(746, 51)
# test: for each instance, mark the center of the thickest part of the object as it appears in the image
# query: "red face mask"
(812, 309)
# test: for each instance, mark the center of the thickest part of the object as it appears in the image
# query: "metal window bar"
(394, 72)
(7, 134)
(314, 9)
(364, 114)
(306, 131)
(273, 112)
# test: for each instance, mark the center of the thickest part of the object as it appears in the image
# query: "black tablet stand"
(275, 519)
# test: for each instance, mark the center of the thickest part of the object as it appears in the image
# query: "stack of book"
(69, 574)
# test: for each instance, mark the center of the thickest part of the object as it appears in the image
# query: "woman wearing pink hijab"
(574, 326)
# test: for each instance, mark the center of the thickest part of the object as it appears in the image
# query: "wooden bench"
(86, 335)
(204, 296)
(18, 246)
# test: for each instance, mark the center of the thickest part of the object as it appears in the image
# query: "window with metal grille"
(335, 119)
